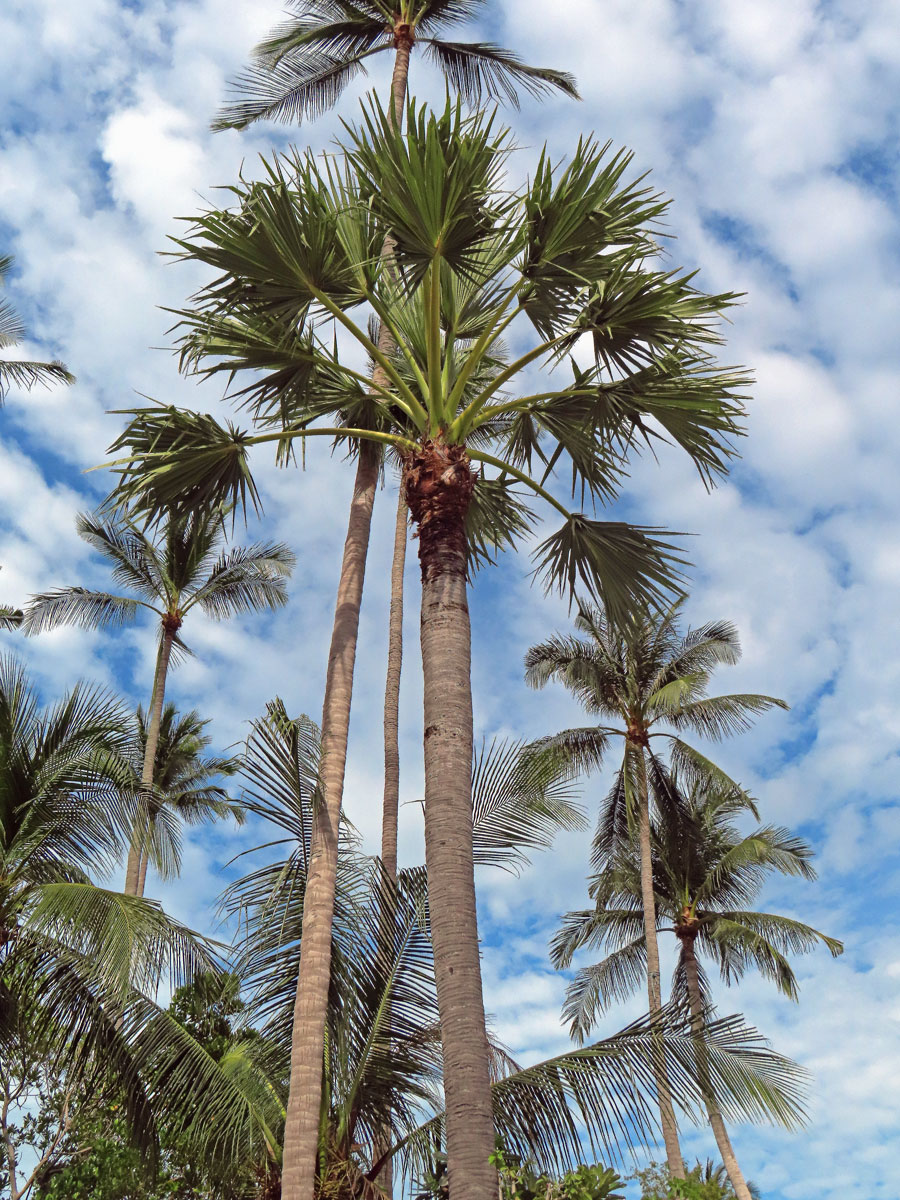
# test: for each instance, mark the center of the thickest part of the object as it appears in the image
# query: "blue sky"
(773, 125)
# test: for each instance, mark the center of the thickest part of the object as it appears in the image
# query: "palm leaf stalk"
(301, 71)
(572, 253)
(382, 1064)
(185, 567)
(15, 372)
(703, 867)
(644, 674)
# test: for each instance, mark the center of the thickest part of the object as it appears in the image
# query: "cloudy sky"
(773, 125)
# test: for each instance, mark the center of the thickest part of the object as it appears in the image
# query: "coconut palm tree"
(185, 567)
(651, 679)
(75, 958)
(382, 1055)
(302, 68)
(704, 872)
(572, 254)
(184, 791)
(18, 372)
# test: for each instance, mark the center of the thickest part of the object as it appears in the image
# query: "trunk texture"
(392, 698)
(654, 991)
(301, 1131)
(439, 489)
(136, 870)
(723, 1141)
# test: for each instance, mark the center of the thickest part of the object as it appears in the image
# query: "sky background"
(773, 125)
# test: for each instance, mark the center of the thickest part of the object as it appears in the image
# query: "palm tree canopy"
(16, 372)
(184, 788)
(77, 961)
(301, 70)
(705, 873)
(185, 566)
(573, 254)
(652, 681)
(383, 1065)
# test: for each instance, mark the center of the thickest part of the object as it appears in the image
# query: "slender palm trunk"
(302, 1120)
(301, 1128)
(136, 870)
(391, 804)
(439, 489)
(654, 991)
(723, 1141)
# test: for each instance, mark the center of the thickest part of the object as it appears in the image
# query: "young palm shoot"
(572, 254)
(644, 675)
(704, 873)
(184, 568)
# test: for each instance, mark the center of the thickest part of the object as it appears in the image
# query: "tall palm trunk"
(136, 870)
(438, 491)
(391, 804)
(723, 1141)
(654, 991)
(301, 1128)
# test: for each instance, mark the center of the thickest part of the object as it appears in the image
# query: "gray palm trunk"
(654, 990)
(391, 805)
(136, 869)
(439, 490)
(723, 1141)
(301, 1130)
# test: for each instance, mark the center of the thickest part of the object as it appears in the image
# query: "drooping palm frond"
(599, 1096)
(246, 579)
(483, 71)
(79, 606)
(521, 798)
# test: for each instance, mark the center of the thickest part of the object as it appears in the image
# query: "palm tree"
(382, 1056)
(572, 253)
(75, 958)
(703, 867)
(17, 372)
(644, 674)
(301, 70)
(186, 566)
(183, 787)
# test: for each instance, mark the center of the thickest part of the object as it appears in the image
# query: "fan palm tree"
(301, 71)
(704, 873)
(72, 954)
(573, 254)
(382, 1053)
(302, 68)
(185, 567)
(183, 787)
(644, 674)
(18, 372)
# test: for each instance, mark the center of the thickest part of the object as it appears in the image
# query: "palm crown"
(705, 872)
(302, 68)
(185, 567)
(653, 680)
(572, 253)
(19, 372)
(184, 787)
